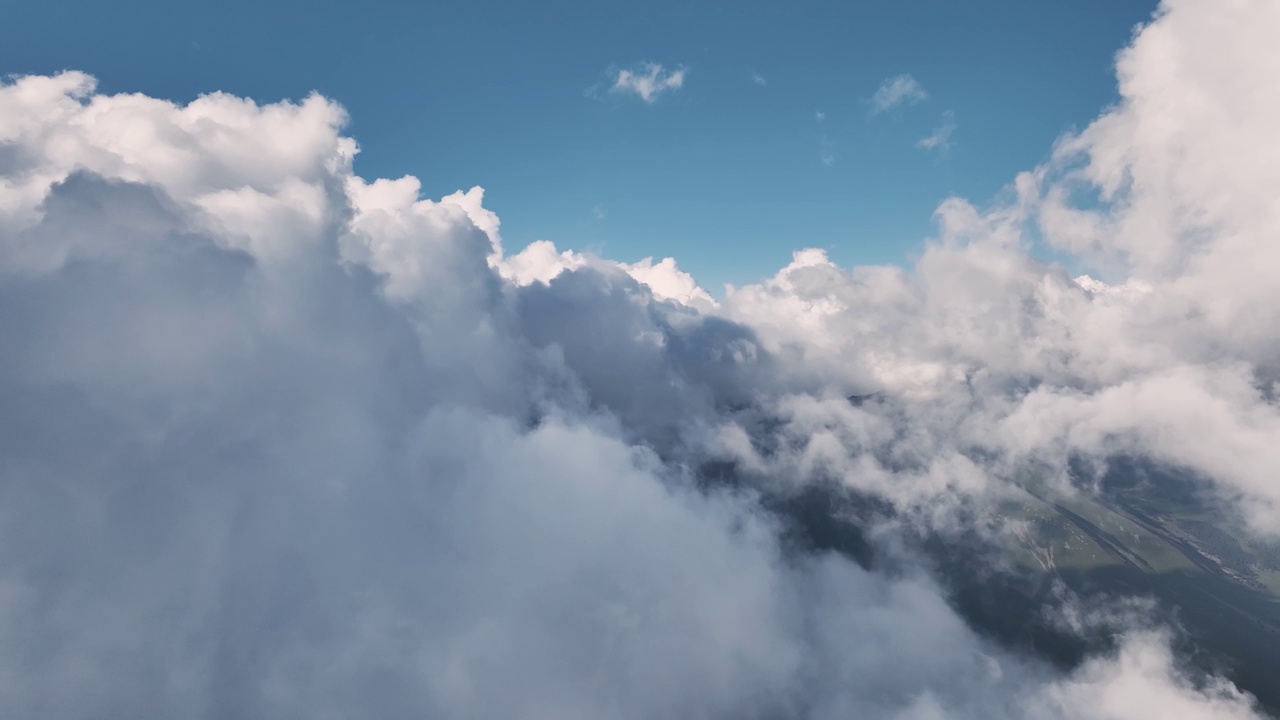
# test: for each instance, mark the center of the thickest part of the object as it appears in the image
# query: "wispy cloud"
(819, 116)
(897, 91)
(759, 79)
(826, 151)
(648, 80)
(940, 138)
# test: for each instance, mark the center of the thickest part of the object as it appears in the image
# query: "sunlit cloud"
(284, 440)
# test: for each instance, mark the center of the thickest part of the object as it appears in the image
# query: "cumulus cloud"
(669, 282)
(649, 81)
(1175, 360)
(897, 91)
(283, 441)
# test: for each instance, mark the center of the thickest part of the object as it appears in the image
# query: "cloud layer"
(282, 441)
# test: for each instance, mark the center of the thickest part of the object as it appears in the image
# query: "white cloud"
(940, 138)
(1176, 362)
(895, 92)
(541, 262)
(280, 440)
(649, 81)
(759, 79)
(819, 116)
(669, 282)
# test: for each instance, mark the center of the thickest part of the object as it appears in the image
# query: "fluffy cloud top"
(282, 441)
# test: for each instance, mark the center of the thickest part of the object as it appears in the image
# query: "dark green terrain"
(1147, 534)
(1137, 532)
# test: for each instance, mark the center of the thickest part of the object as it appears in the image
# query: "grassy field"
(1219, 584)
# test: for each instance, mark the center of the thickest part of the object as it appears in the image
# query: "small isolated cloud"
(826, 151)
(598, 212)
(819, 116)
(940, 138)
(897, 91)
(649, 80)
(759, 79)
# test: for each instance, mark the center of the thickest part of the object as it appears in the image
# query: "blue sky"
(725, 173)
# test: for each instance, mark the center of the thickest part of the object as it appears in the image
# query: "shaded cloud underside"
(280, 441)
